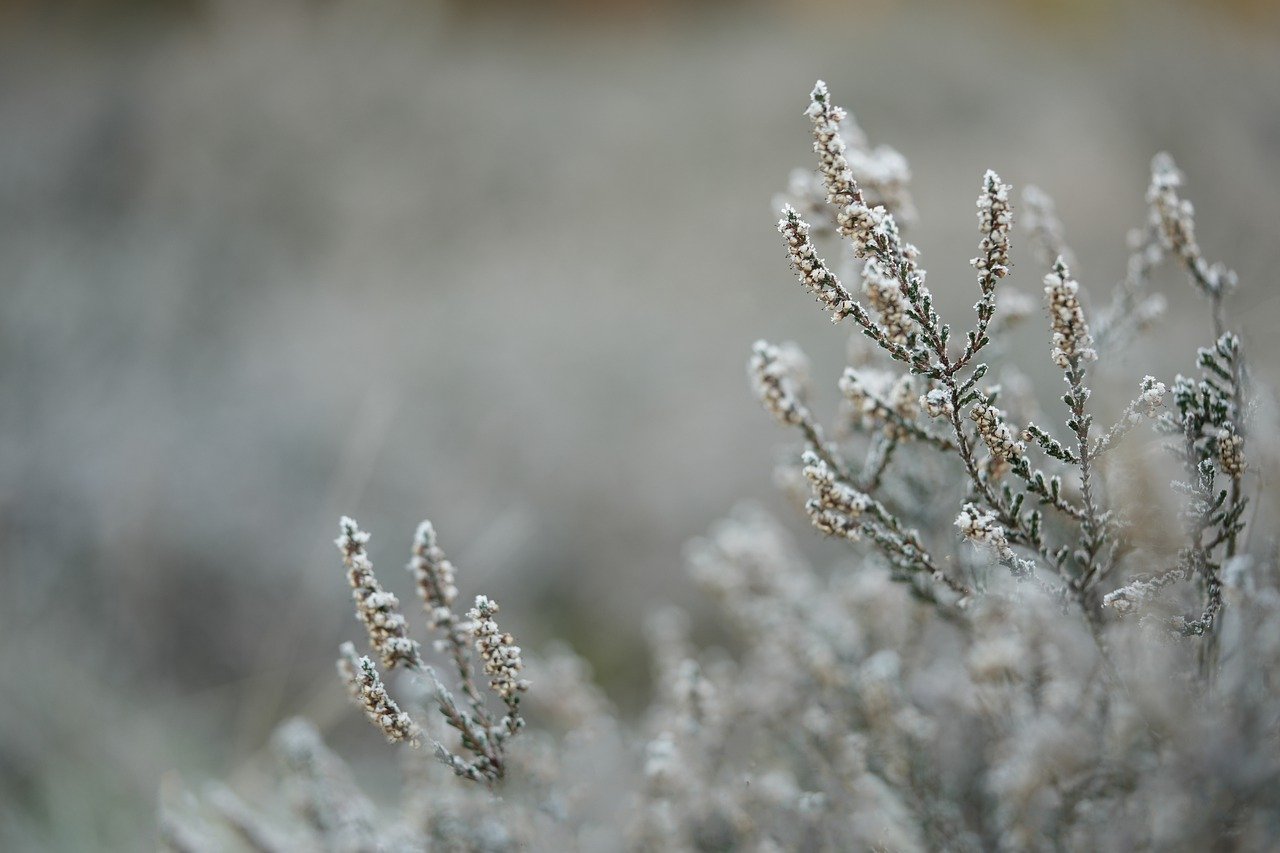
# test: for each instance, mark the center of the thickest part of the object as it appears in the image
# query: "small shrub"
(1023, 658)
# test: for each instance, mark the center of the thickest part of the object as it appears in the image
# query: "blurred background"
(496, 264)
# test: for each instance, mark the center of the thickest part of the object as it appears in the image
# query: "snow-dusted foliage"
(1042, 503)
(1018, 655)
(482, 735)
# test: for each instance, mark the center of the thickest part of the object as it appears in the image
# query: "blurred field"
(266, 265)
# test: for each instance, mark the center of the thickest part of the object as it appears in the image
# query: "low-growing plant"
(1098, 673)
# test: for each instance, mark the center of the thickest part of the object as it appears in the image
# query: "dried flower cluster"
(1086, 673)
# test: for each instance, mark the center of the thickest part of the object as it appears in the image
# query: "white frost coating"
(1072, 343)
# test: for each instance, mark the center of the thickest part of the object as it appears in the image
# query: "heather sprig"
(482, 733)
(375, 607)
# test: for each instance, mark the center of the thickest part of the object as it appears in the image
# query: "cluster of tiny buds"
(1174, 216)
(885, 296)
(367, 689)
(827, 118)
(854, 219)
(1231, 453)
(937, 403)
(835, 505)
(1149, 400)
(812, 270)
(982, 528)
(1071, 340)
(434, 575)
(874, 396)
(995, 219)
(376, 608)
(1000, 440)
(777, 373)
(502, 662)
(862, 225)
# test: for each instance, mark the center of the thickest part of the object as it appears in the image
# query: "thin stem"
(1091, 525)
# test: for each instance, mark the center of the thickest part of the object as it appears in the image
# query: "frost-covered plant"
(1088, 677)
(483, 736)
(1037, 503)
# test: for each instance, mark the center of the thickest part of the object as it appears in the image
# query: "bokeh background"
(498, 265)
